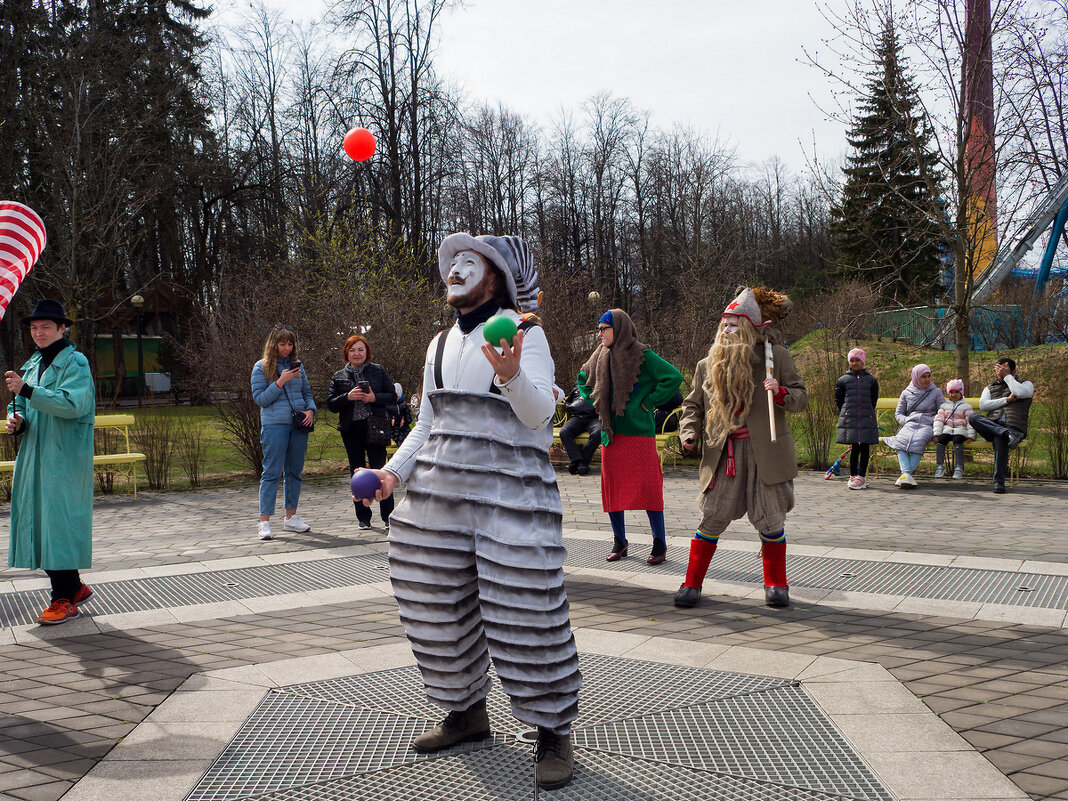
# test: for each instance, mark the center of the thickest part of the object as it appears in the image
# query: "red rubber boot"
(701, 552)
(776, 589)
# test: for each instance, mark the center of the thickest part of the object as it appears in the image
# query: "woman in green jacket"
(625, 381)
(52, 487)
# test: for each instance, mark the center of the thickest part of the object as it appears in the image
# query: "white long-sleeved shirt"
(1020, 389)
(465, 367)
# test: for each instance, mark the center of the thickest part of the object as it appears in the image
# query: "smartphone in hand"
(363, 386)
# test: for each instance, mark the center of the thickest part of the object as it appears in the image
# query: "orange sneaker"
(82, 595)
(57, 612)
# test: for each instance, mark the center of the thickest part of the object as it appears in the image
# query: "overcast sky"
(729, 68)
(726, 67)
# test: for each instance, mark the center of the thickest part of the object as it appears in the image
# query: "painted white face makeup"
(466, 271)
(730, 323)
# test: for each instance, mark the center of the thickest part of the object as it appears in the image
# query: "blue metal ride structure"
(1052, 210)
(1045, 269)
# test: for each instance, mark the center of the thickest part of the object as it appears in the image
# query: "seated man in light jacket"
(1007, 403)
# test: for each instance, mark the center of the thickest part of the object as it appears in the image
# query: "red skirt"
(631, 477)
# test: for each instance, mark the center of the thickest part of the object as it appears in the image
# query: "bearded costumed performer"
(52, 411)
(476, 547)
(625, 381)
(748, 463)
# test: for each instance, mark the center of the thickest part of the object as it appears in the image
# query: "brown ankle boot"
(555, 759)
(457, 727)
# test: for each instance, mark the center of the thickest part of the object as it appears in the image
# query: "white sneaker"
(294, 523)
(862, 483)
(909, 482)
(265, 531)
(939, 471)
(901, 480)
(959, 472)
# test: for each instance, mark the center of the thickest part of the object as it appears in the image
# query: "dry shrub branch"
(351, 282)
(154, 436)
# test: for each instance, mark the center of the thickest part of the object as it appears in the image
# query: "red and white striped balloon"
(22, 238)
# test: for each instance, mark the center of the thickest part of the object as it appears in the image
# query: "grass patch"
(891, 362)
(223, 466)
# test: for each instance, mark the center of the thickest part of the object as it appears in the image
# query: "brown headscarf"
(614, 370)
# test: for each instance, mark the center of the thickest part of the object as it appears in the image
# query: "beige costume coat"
(776, 462)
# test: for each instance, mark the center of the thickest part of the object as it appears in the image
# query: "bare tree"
(390, 71)
(936, 33)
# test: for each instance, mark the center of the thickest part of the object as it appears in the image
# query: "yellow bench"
(884, 415)
(122, 461)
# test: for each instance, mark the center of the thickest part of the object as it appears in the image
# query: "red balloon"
(359, 144)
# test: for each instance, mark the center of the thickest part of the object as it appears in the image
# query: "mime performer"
(476, 547)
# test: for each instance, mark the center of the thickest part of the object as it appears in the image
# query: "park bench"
(884, 413)
(667, 443)
(121, 460)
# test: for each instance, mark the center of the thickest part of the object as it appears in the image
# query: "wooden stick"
(769, 372)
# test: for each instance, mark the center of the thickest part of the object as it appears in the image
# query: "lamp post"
(138, 302)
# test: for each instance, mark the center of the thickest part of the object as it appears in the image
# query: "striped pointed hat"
(510, 254)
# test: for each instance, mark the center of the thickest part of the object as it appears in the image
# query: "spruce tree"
(885, 227)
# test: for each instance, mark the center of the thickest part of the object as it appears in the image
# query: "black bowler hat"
(48, 309)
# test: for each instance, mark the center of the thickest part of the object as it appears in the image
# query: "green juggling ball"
(499, 327)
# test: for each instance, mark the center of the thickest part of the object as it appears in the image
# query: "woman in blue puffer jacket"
(280, 388)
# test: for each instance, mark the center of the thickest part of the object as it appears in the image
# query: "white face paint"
(466, 271)
(730, 323)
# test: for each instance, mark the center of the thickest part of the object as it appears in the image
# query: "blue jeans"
(283, 453)
(909, 461)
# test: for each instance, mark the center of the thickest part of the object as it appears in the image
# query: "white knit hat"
(745, 305)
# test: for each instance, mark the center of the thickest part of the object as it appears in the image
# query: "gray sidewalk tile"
(932, 651)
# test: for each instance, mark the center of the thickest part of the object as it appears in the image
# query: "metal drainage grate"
(779, 736)
(506, 772)
(820, 572)
(751, 737)
(393, 690)
(165, 592)
(854, 575)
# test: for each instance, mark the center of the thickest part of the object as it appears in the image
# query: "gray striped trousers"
(476, 562)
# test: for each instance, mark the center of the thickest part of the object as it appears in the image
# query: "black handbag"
(298, 418)
(378, 430)
(298, 423)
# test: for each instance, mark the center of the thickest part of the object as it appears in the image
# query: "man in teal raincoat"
(52, 488)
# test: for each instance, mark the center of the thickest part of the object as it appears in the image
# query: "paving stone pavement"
(66, 701)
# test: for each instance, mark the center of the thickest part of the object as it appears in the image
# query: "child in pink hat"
(855, 395)
(951, 425)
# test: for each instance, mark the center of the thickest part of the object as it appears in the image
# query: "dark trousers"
(998, 435)
(958, 449)
(571, 429)
(858, 459)
(356, 445)
(65, 584)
